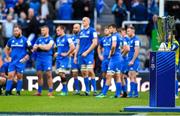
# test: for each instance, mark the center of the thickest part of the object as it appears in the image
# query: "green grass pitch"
(71, 103)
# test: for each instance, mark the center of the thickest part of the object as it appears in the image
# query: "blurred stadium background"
(141, 13)
(31, 14)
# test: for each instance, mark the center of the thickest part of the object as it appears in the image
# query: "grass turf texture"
(71, 103)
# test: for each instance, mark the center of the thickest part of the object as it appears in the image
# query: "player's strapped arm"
(136, 51)
(94, 43)
(71, 47)
(113, 47)
(76, 52)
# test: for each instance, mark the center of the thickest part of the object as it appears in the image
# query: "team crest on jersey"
(63, 40)
(13, 41)
(88, 32)
(21, 41)
(46, 40)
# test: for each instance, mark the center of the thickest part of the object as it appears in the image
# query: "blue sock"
(64, 88)
(124, 88)
(76, 82)
(118, 88)
(104, 81)
(135, 88)
(39, 88)
(105, 89)
(19, 85)
(50, 89)
(9, 85)
(177, 87)
(86, 81)
(131, 87)
(93, 81)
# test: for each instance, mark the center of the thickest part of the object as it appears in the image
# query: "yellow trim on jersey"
(177, 51)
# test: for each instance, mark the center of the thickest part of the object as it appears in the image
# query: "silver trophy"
(165, 25)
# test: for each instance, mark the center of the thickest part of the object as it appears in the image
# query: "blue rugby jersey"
(86, 37)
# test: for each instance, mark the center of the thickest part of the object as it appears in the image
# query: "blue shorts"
(44, 65)
(16, 66)
(124, 65)
(104, 65)
(62, 63)
(135, 66)
(4, 67)
(88, 60)
(115, 65)
(73, 65)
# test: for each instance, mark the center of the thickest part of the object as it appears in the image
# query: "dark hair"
(112, 25)
(17, 26)
(44, 26)
(121, 29)
(61, 27)
(131, 27)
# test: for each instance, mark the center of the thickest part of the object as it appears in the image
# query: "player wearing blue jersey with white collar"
(85, 52)
(16, 55)
(74, 64)
(115, 66)
(104, 48)
(133, 60)
(44, 52)
(124, 51)
(65, 47)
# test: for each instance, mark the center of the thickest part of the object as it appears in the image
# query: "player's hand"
(24, 59)
(56, 54)
(64, 54)
(101, 57)
(35, 47)
(41, 46)
(131, 63)
(75, 60)
(8, 59)
(84, 54)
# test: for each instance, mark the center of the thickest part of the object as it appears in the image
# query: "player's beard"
(17, 36)
(75, 32)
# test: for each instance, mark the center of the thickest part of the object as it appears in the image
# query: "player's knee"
(49, 74)
(2, 81)
(103, 74)
(75, 74)
(39, 74)
(91, 73)
(84, 73)
(19, 76)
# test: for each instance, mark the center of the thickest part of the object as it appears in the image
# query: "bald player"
(85, 52)
(74, 64)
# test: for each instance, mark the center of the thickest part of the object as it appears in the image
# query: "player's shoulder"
(136, 38)
(24, 38)
(92, 29)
